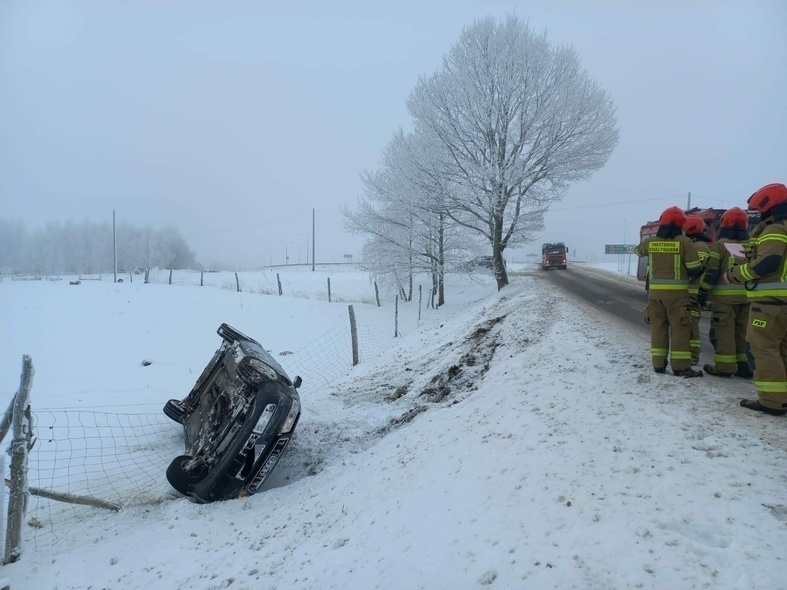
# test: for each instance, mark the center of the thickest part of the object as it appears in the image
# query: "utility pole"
(114, 247)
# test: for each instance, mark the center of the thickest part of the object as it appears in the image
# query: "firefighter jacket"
(765, 274)
(720, 261)
(671, 263)
(703, 251)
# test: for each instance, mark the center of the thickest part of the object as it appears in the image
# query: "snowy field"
(506, 440)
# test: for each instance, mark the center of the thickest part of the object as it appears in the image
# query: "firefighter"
(672, 261)
(694, 229)
(730, 307)
(765, 278)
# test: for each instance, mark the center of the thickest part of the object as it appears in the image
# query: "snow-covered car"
(237, 421)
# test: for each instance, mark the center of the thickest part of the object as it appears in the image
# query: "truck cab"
(554, 255)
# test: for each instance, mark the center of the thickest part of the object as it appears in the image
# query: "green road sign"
(619, 248)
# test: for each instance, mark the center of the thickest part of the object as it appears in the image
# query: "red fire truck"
(554, 256)
(712, 218)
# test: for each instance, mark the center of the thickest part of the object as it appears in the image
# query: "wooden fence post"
(147, 275)
(376, 294)
(329, 289)
(396, 317)
(202, 278)
(170, 276)
(420, 295)
(353, 334)
(237, 282)
(20, 446)
(5, 421)
(278, 280)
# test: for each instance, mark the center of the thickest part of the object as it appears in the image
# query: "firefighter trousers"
(767, 336)
(694, 338)
(670, 331)
(730, 322)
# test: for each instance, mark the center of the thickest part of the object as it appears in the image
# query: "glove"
(702, 298)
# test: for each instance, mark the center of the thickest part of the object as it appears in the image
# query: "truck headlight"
(291, 417)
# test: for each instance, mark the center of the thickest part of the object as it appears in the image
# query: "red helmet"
(673, 216)
(767, 198)
(694, 225)
(735, 217)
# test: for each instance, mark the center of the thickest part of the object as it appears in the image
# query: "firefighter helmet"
(694, 225)
(767, 198)
(735, 217)
(673, 216)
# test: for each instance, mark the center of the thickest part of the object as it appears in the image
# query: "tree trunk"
(441, 261)
(501, 274)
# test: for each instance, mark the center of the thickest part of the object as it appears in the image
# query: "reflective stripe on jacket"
(703, 251)
(769, 240)
(669, 262)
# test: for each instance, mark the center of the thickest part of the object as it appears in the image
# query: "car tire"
(175, 410)
(179, 478)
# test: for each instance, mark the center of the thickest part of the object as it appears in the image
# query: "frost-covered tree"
(442, 244)
(517, 120)
(386, 217)
(87, 247)
(403, 219)
(14, 243)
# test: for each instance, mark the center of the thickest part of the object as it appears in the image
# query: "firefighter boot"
(688, 373)
(662, 369)
(744, 370)
(754, 404)
(712, 370)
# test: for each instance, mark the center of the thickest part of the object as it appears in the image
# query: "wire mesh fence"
(112, 458)
(334, 286)
(121, 458)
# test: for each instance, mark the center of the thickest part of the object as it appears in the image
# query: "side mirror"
(297, 382)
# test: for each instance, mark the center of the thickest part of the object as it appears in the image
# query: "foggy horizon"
(232, 123)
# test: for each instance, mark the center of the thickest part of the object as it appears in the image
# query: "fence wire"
(344, 287)
(115, 458)
(122, 458)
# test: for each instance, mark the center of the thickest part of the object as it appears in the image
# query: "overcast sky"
(233, 120)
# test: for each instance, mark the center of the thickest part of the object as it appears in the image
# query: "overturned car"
(237, 421)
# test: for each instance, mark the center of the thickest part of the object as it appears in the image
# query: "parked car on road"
(237, 420)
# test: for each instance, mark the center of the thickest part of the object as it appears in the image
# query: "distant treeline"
(86, 247)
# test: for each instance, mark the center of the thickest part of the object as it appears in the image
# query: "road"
(624, 299)
(619, 295)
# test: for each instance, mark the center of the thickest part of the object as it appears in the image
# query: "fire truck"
(712, 219)
(554, 256)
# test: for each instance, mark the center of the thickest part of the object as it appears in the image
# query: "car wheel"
(175, 410)
(180, 479)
